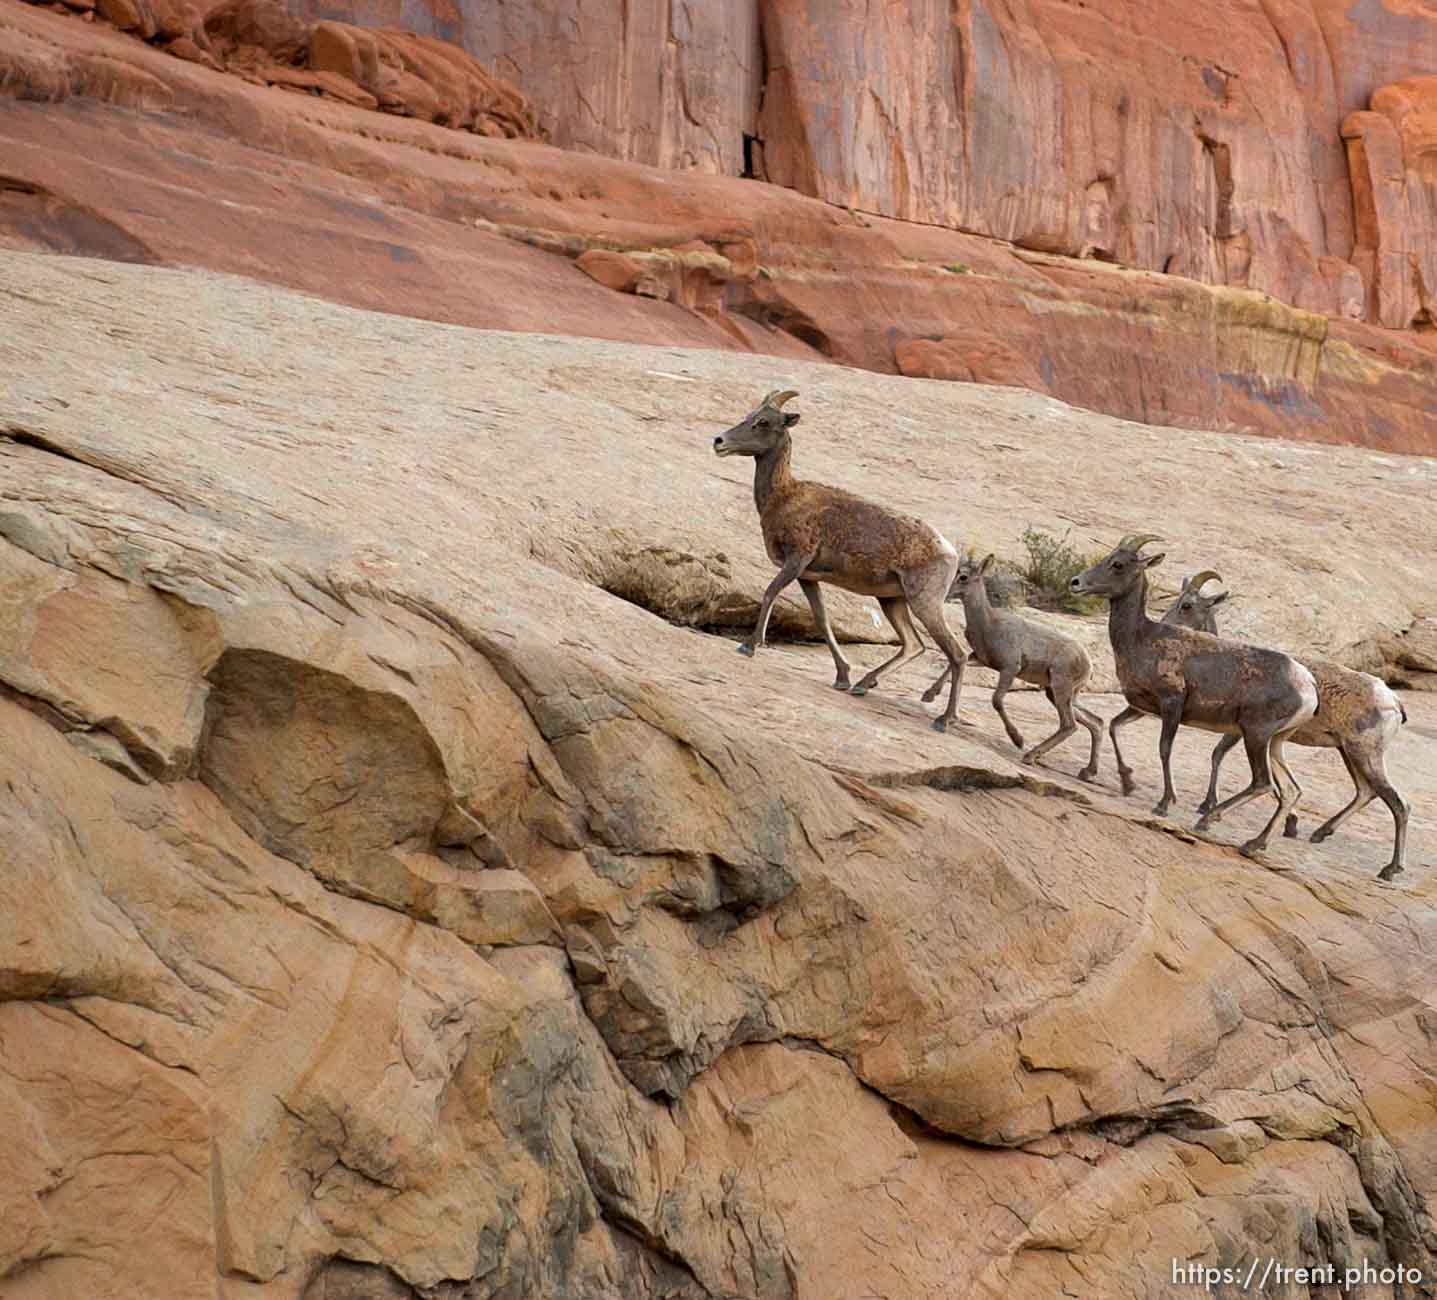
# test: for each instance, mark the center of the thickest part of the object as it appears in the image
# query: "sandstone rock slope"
(406, 892)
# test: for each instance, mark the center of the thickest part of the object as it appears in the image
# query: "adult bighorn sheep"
(818, 534)
(1187, 600)
(1357, 715)
(1192, 677)
(1016, 647)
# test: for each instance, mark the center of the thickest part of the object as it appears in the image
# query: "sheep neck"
(1127, 615)
(977, 611)
(771, 472)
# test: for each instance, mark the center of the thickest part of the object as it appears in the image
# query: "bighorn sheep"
(1018, 648)
(1187, 600)
(1191, 677)
(1357, 715)
(818, 534)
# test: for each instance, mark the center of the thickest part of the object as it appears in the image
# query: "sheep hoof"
(929, 696)
(1289, 827)
(1390, 871)
(1204, 822)
(745, 648)
(860, 689)
(1125, 775)
(1204, 808)
(1028, 757)
(1320, 834)
(940, 724)
(1088, 774)
(1160, 809)
(841, 684)
(1017, 740)
(1253, 849)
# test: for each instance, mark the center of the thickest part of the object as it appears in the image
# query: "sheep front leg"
(1172, 716)
(1005, 684)
(814, 593)
(792, 567)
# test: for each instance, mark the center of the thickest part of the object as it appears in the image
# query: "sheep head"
(1118, 571)
(1193, 609)
(761, 430)
(970, 570)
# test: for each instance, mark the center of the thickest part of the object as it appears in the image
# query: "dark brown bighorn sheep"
(1191, 677)
(1357, 715)
(1016, 647)
(1182, 612)
(817, 534)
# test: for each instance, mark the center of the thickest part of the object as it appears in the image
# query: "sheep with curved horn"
(1194, 679)
(1357, 715)
(1184, 611)
(817, 534)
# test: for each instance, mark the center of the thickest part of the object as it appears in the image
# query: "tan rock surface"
(496, 936)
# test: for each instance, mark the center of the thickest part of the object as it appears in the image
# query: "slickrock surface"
(389, 909)
(1272, 317)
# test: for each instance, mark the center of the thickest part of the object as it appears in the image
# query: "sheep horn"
(778, 397)
(1196, 581)
(1136, 541)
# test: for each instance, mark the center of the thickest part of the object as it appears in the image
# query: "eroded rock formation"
(388, 910)
(404, 215)
(1205, 144)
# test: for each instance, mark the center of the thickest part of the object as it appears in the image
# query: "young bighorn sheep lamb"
(1194, 678)
(1357, 715)
(1017, 648)
(817, 534)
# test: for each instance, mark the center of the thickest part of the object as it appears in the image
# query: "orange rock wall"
(1204, 140)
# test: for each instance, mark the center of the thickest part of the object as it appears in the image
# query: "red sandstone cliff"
(1228, 222)
(1206, 140)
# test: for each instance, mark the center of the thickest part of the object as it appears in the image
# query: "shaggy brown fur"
(818, 534)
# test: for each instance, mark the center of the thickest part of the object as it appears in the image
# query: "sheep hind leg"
(1061, 698)
(1368, 765)
(926, 589)
(1288, 793)
(1256, 744)
(1125, 773)
(1219, 752)
(1398, 806)
(1094, 724)
(841, 665)
(910, 644)
(1362, 796)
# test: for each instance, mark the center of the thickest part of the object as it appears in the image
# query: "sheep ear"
(987, 563)
(1220, 597)
(1149, 560)
(790, 417)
